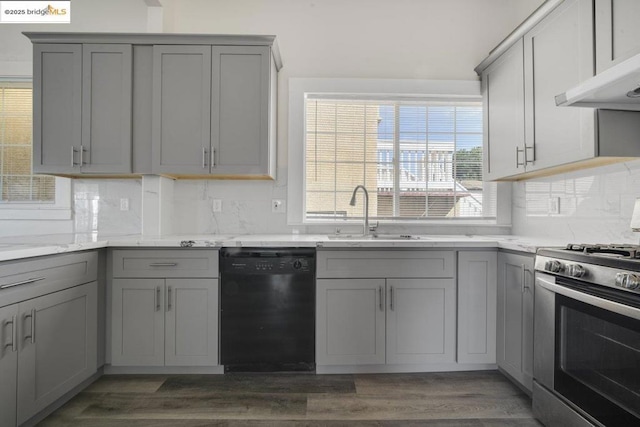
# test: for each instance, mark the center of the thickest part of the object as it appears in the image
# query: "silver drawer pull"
(169, 297)
(163, 264)
(380, 298)
(157, 298)
(24, 282)
(73, 156)
(391, 297)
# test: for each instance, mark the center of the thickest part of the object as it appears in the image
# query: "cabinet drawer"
(24, 279)
(165, 263)
(383, 264)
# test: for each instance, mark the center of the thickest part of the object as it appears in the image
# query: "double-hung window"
(415, 145)
(23, 195)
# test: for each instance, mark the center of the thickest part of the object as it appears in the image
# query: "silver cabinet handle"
(169, 298)
(533, 156)
(73, 156)
(524, 278)
(14, 334)
(380, 298)
(391, 297)
(163, 264)
(518, 151)
(33, 326)
(213, 157)
(23, 282)
(82, 150)
(157, 298)
(204, 157)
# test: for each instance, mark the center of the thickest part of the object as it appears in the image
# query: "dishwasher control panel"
(268, 261)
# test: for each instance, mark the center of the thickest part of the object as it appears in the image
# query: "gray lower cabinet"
(477, 289)
(165, 322)
(8, 364)
(617, 31)
(212, 110)
(515, 317)
(164, 307)
(49, 346)
(378, 321)
(48, 331)
(58, 346)
(82, 108)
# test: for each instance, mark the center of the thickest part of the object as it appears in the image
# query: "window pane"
(18, 185)
(429, 165)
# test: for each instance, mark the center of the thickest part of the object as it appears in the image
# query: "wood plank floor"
(466, 399)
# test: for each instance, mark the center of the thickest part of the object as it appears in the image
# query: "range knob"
(297, 264)
(627, 280)
(576, 270)
(554, 266)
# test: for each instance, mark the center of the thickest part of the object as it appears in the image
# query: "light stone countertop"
(17, 247)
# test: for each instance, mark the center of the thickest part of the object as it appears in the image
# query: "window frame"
(59, 209)
(436, 90)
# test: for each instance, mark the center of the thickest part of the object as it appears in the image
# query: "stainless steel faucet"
(365, 231)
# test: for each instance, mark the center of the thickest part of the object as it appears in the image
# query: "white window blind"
(18, 184)
(418, 159)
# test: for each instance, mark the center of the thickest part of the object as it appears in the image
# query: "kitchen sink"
(375, 237)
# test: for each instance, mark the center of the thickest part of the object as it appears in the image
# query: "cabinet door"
(58, 346)
(106, 108)
(558, 54)
(240, 110)
(57, 108)
(477, 287)
(515, 317)
(421, 320)
(181, 121)
(617, 32)
(8, 364)
(503, 93)
(350, 321)
(191, 322)
(137, 322)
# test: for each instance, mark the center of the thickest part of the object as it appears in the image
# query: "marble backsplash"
(97, 205)
(595, 205)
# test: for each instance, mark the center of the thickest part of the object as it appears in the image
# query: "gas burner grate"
(622, 250)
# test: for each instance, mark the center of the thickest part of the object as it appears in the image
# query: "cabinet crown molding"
(160, 39)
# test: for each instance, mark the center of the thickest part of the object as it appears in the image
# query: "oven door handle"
(605, 304)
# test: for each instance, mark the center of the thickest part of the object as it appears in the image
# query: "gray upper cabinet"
(57, 107)
(82, 108)
(106, 108)
(617, 31)
(240, 110)
(8, 364)
(552, 51)
(181, 105)
(211, 111)
(181, 120)
(503, 93)
(558, 54)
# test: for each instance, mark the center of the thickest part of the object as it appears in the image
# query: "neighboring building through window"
(18, 184)
(418, 159)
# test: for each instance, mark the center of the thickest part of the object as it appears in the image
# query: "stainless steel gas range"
(587, 336)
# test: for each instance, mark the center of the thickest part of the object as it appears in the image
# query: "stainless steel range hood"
(617, 88)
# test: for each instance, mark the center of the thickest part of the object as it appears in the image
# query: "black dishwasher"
(267, 309)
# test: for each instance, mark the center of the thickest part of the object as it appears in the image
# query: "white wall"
(421, 39)
(399, 39)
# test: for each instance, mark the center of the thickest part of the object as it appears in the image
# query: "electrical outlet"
(124, 204)
(278, 206)
(217, 205)
(554, 205)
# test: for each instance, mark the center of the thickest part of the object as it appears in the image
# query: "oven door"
(587, 349)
